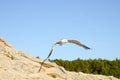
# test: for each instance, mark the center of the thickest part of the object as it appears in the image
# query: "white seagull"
(61, 42)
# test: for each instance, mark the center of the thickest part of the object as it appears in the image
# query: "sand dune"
(19, 65)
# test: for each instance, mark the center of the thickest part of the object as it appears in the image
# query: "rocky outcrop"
(18, 65)
(4, 43)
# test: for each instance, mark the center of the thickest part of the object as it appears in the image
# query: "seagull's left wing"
(47, 57)
(78, 43)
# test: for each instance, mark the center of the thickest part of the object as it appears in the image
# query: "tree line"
(94, 66)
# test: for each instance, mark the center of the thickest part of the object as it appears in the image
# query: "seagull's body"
(61, 42)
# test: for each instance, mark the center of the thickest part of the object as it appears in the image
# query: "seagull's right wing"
(78, 43)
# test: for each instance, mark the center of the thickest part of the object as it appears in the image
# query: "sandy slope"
(18, 65)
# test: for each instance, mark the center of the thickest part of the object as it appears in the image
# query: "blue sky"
(34, 25)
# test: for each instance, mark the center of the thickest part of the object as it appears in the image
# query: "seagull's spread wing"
(45, 60)
(78, 43)
(47, 57)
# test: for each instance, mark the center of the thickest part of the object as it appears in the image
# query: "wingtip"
(87, 48)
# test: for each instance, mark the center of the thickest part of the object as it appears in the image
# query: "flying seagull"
(61, 42)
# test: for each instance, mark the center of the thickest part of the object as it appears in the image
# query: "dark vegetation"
(95, 66)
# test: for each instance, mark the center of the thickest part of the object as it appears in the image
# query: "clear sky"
(34, 25)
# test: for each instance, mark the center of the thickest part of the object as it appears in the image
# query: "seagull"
(61, 42)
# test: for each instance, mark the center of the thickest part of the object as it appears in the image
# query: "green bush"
(95, 66)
